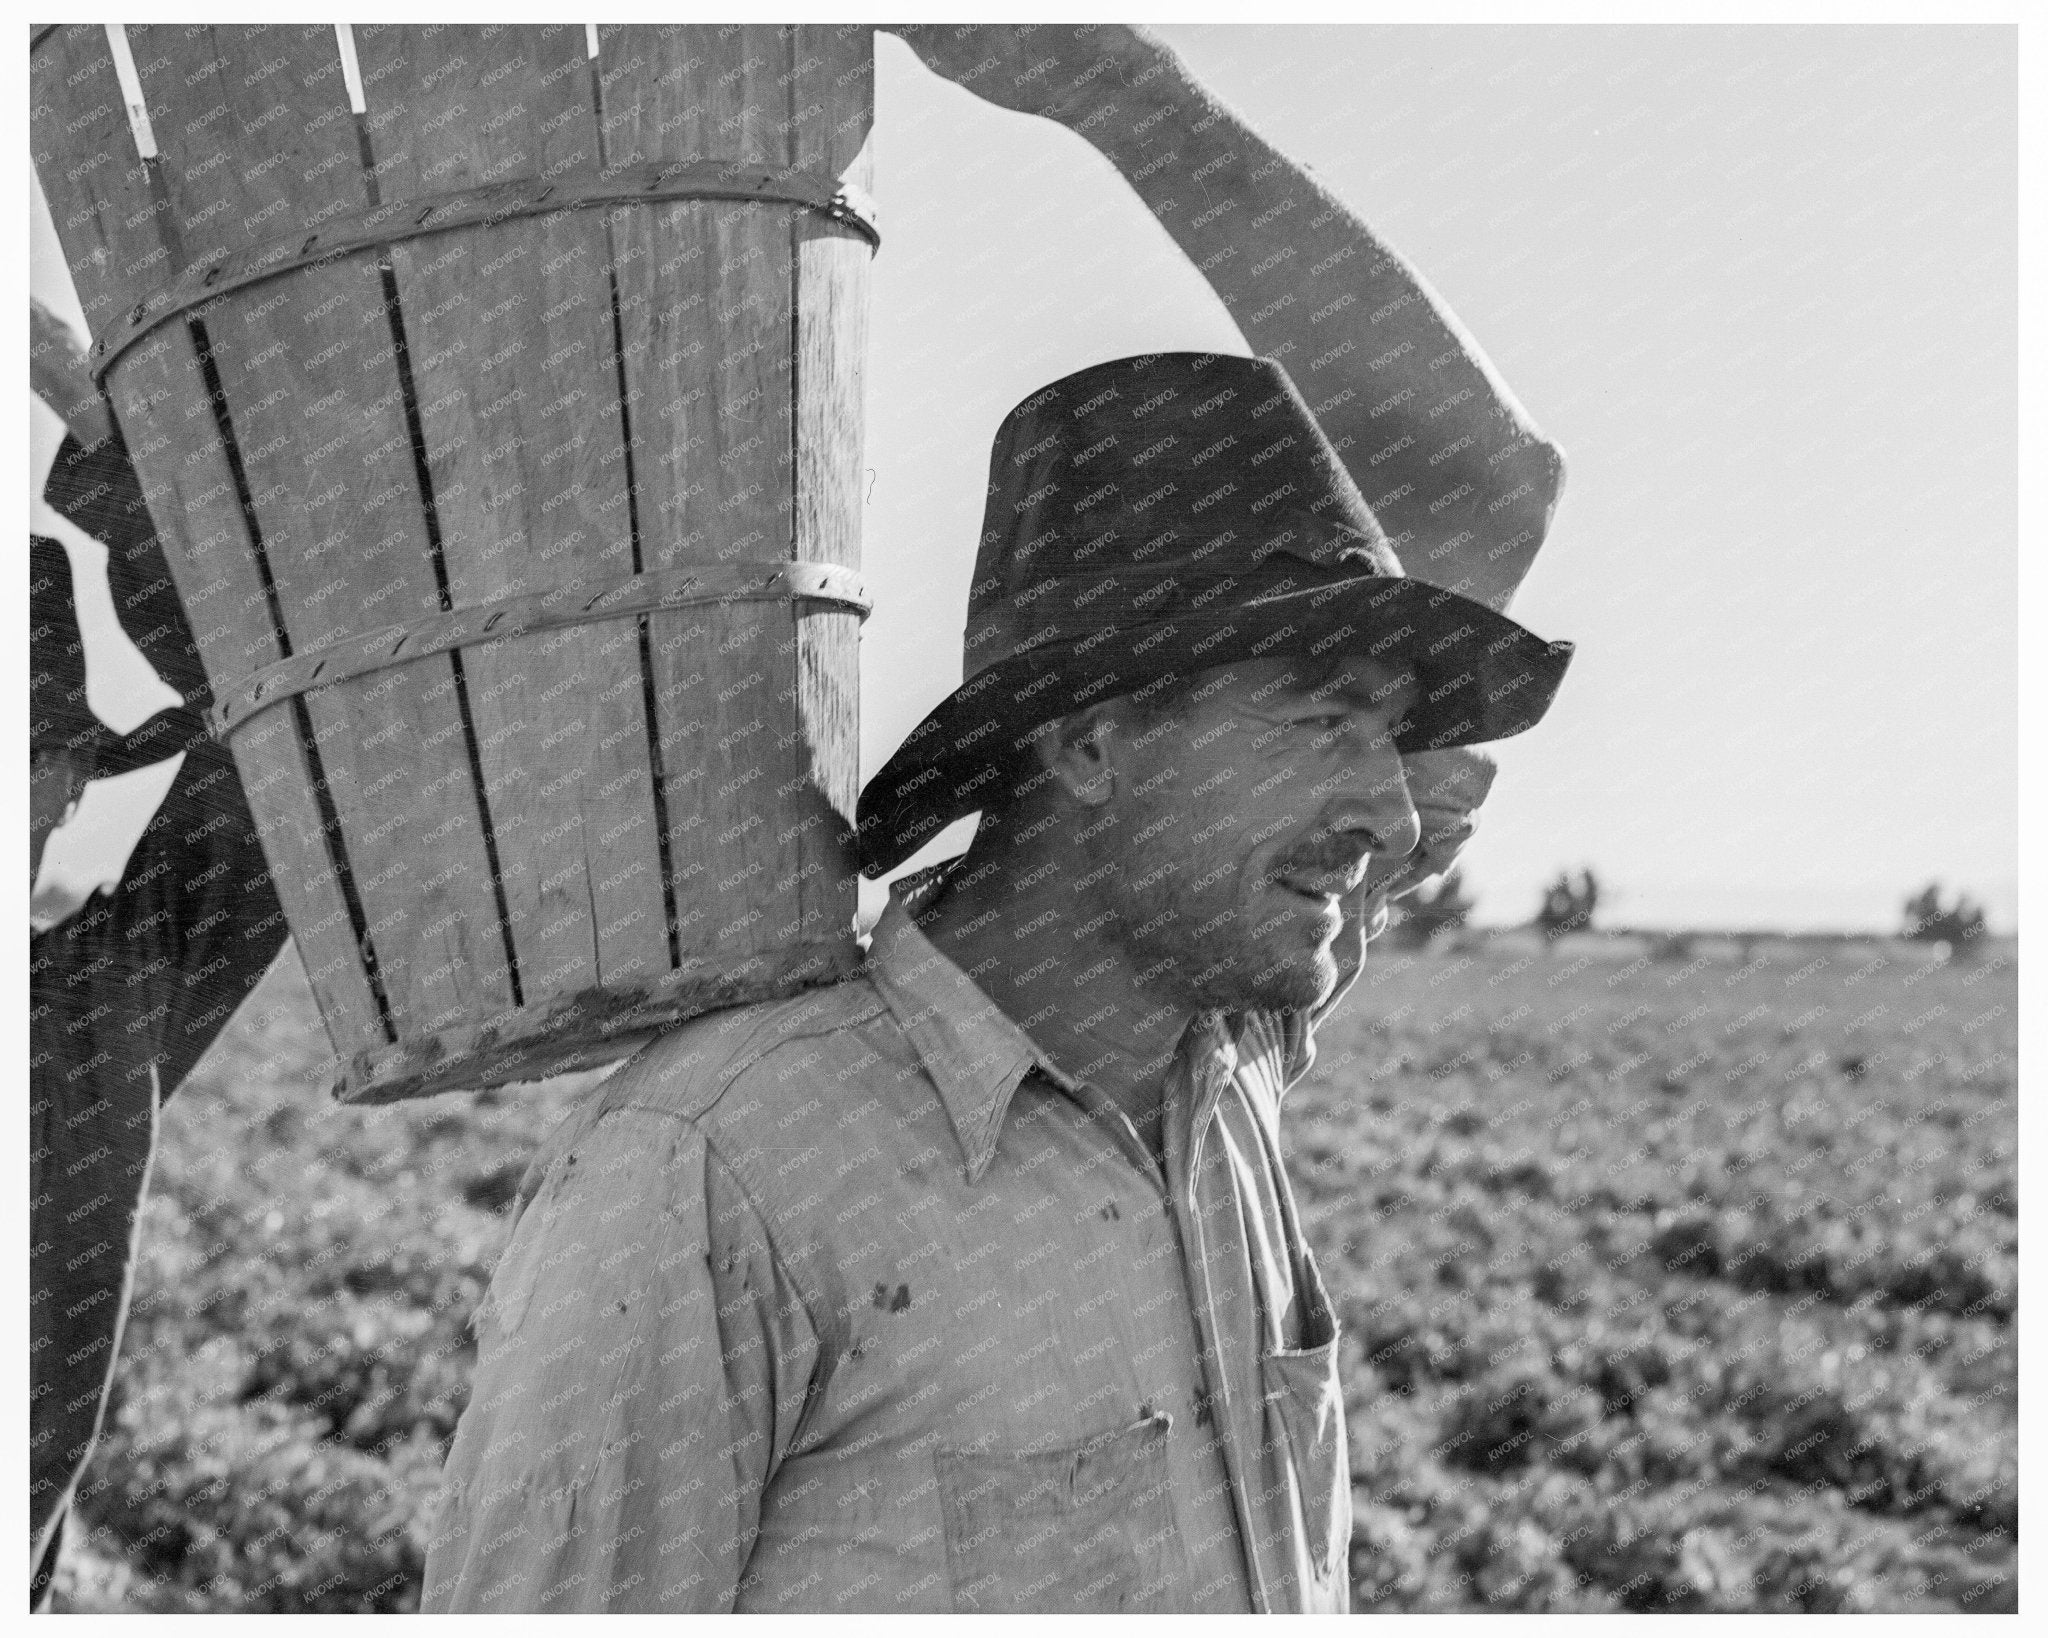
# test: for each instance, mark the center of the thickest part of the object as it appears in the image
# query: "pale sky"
(1760, 285)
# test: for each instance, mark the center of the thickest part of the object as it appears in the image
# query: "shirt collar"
(972, 1050)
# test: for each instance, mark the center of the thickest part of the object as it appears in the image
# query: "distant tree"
(1677, 946)
(1568, 905)
(1427, 912)
(1928, 921)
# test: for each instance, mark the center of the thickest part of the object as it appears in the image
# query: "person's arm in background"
(58, 774)
(1457, 473)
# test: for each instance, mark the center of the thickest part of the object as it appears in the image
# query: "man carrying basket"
(976, 1281)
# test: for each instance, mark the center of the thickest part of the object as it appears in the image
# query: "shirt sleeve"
(644, 1360)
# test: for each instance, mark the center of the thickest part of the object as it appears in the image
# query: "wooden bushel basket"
(505, 441)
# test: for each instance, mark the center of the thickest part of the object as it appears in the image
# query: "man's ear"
(1079, 753)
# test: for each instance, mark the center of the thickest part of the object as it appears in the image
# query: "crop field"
(1668, 1282)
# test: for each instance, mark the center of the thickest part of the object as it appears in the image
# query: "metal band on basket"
(571, 605)
(415, 218)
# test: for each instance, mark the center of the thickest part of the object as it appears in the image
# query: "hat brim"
(1483, 677)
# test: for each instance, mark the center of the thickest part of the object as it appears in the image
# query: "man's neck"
(1027, 926)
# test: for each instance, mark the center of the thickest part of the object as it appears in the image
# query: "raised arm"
(1457, 472)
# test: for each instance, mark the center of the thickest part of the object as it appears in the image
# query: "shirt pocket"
(1305, 1397)
(1085, 1526)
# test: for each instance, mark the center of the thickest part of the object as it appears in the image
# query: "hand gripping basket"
(504, 439)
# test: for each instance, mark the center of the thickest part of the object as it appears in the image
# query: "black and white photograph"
(1183, 817)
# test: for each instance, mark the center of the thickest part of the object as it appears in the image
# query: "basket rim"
(588, 1028)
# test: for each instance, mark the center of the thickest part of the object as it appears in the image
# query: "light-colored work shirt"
(856, 1301)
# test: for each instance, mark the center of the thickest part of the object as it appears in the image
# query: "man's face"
(1241, 822)
(1447, 788)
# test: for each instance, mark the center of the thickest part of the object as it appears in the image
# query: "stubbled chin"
(1300, 982)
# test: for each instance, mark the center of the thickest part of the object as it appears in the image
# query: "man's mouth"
(1320, 882)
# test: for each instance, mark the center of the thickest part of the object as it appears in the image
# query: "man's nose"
(1374, 803)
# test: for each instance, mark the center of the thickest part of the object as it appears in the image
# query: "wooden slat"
(91, 175)
(832, 99)
(705, 303)
(257, 139)
(108, 220)
(510, 333)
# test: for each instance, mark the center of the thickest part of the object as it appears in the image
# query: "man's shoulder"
(779, 1094)
(730, 1070)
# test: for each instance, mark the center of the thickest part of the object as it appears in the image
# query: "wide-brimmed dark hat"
(1150, 518)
